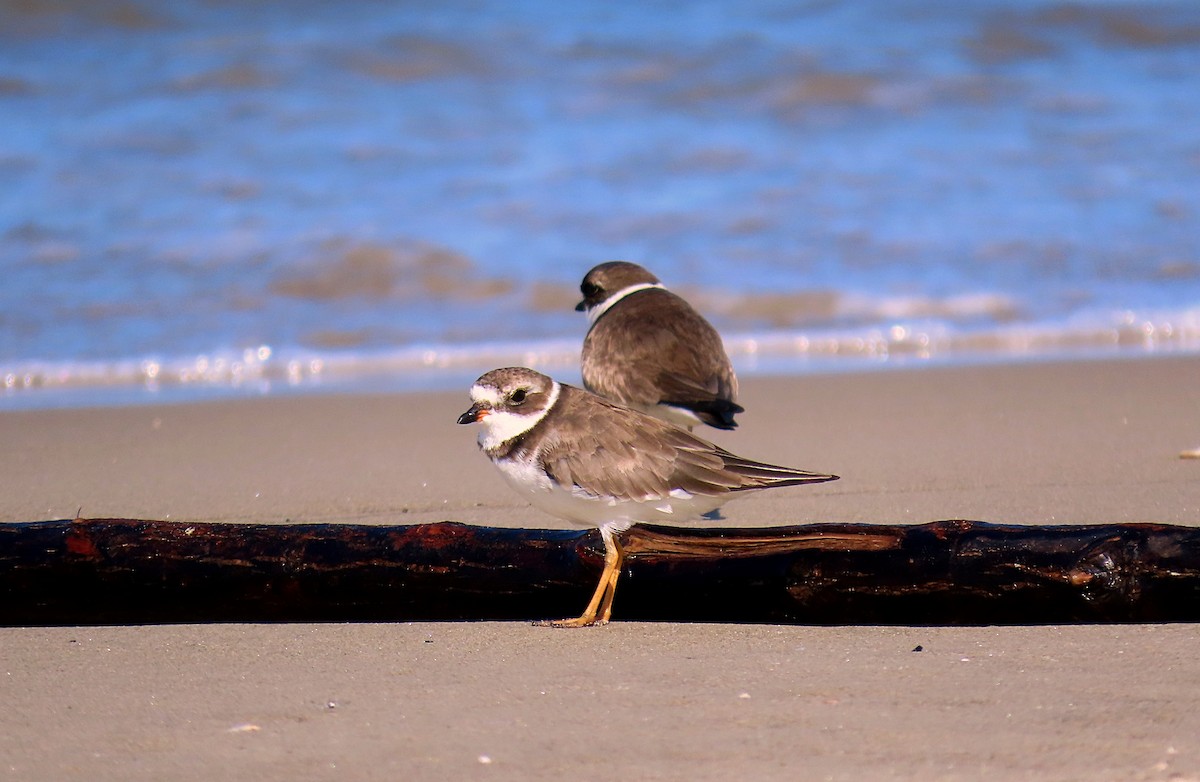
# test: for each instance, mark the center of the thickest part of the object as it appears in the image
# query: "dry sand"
(1080, 442)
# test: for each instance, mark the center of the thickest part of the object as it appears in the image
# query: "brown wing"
(630, 455)
(675, 357)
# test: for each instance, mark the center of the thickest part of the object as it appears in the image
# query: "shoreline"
(263, 371)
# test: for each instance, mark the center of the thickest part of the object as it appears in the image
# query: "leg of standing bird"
(599, 608)
(611, 544)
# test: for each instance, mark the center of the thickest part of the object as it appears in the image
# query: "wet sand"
(1084, 442)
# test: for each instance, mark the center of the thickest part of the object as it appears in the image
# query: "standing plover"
(591, 461)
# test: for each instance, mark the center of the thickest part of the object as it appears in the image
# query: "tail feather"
(717, 413)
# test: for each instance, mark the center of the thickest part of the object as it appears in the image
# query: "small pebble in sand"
(245, 727)
(1192, 454)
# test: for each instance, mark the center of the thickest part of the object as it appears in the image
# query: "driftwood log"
(102, 571)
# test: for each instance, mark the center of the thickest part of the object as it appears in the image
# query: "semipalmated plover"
(649, 349)
(594, 462)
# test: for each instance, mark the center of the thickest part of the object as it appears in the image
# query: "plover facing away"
(649, 349)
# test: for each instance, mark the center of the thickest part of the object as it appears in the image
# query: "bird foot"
(579, 621)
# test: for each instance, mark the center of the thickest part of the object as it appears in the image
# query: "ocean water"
(203, 199)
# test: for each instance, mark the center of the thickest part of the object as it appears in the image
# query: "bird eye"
(517, 397)
(589, 289)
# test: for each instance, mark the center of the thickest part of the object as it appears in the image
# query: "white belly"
(673, 415)
(578, 506)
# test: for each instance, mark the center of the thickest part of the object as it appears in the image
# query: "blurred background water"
(213, 198)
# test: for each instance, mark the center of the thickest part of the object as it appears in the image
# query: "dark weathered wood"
(90, 571)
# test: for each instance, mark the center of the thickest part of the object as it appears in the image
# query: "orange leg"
(599, 608)
(614, 573)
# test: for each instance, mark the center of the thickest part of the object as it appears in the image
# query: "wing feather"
(634, 456)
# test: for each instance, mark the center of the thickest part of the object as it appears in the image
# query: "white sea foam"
(264, 370)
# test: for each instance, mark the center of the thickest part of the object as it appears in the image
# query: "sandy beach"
(1035, 443)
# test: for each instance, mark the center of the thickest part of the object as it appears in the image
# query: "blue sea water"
(212, 198)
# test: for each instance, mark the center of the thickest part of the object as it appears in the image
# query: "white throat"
(595, 312)
(500, 426)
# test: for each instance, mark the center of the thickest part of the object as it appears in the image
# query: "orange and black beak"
(476, 413)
